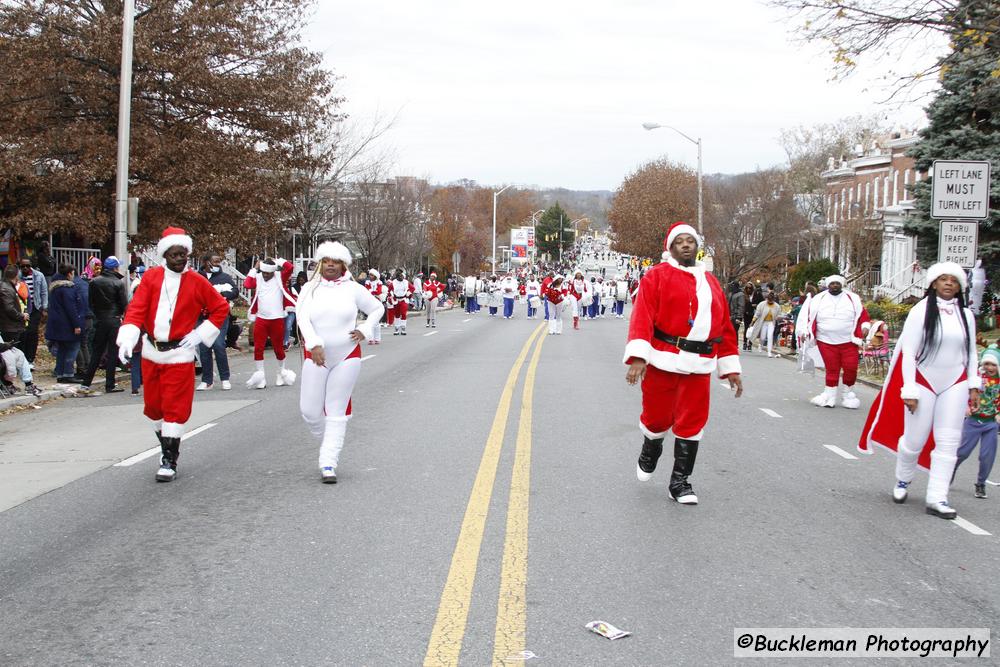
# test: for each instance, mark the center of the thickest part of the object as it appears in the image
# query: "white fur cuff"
(207, 332)
(729, 365)
(909, 391)
(975, 382)
(639, 349)
(128, 336)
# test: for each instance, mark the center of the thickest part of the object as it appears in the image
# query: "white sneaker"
(328, 475)
(257, 380)
(899, 492)
(226, 385)
(203, 387)
(642, 475)
(165, 473)
(286, 376)
(850, 401)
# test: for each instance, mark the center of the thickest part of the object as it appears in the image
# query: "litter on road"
(607, 630)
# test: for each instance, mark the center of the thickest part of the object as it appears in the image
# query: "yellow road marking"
(453, 611)
(512, 615)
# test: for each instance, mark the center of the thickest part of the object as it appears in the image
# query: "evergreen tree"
(547, 231)
(964, 125)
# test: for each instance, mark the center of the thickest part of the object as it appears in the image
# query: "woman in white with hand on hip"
(327, 313)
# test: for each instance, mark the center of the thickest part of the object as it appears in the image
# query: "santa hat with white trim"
(836, 279)
(676, 230)
(173, 236)
(946, 269)
(333, 250)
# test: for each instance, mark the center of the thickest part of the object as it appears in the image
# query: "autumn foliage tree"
(650, 199)
(221, 90)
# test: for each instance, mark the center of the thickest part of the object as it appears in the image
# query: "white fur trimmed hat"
(333, 250)
(373, 272)
(947, 269)
(171, 237)
(676, 230)
(836, 279)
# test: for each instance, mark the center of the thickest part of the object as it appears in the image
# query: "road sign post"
(960, 190)
(958, 242)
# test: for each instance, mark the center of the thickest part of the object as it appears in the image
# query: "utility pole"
(124, 133)
(560, 236)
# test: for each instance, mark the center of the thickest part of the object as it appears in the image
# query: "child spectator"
(981, 425)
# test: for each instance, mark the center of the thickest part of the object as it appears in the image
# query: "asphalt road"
(460, 531)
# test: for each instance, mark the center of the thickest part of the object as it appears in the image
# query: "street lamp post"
(495, 195)
(124, 132)
(534, 232)
(697, 142)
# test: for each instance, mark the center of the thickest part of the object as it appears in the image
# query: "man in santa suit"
(401, 290)
(270, 304)
(836, 321)
(166, 306)
(380, 292)
(679, 333)
(433, 288)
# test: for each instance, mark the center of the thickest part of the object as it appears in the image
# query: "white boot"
(257, 380)
(333, 442)
(286, 376)
(850, 400)
(827, 399)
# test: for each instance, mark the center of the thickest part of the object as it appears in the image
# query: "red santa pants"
(390, 315)
(672, 401)
(839, 357)
(167, 391)
(400, 310)
(268, 329)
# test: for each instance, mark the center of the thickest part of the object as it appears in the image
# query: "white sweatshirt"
(943, 369)
(509, 287)
(327, 313)
(270, 298)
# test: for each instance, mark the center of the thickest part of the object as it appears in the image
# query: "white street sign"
(961, 189)
(958, 242)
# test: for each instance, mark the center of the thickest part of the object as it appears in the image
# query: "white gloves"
(191, 341)
(124, 353)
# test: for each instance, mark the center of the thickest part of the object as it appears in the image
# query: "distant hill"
(593, 204)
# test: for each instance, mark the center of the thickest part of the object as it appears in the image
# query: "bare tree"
(885, 27)
(751, 221)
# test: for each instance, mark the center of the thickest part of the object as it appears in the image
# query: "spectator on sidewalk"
(211, 268)
(44, 260)
(16, 366)
(12, 315)
(65, 323)
(108, 300)
(765, 317)
(37, 303)
(981, 425)
(82, 283)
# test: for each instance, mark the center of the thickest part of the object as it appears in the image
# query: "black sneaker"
(32, 389)
(114, 390)
(981, 491)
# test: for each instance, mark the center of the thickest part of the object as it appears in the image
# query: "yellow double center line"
(449, 628)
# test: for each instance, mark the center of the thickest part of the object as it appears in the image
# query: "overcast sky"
(553, 93)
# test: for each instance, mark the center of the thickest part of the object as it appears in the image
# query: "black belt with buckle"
(164, 346)
(696, 346)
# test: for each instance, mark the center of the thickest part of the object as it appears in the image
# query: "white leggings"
(945, 413)
(767, 334)
(326, 394)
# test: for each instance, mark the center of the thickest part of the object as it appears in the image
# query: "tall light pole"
(534, 232)
(124, 132)
(697, 142)
(495, 195)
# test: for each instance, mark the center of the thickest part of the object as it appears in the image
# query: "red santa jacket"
(377, 290)
(146, 313)
(435, 287)
(287, 300)
(546, 281)
(685, 302)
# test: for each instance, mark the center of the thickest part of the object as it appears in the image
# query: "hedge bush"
(893, 314)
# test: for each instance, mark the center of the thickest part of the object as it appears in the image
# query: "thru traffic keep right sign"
(961, 190)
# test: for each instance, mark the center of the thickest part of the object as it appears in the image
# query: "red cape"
(884, 426)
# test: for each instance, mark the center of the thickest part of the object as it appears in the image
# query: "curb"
(27, 399)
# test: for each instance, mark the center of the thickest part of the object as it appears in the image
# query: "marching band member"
(578, 291)
(508, 289)
(620, 291)
(933, 381)
(493, 287)
(555, 296)
(532, 290)
(546, 281)
(679, 334)
(402, 290)
(470, 294)
(270, 303)
(380, 292)
(432, 292)
(167, 306)
(327, 313)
